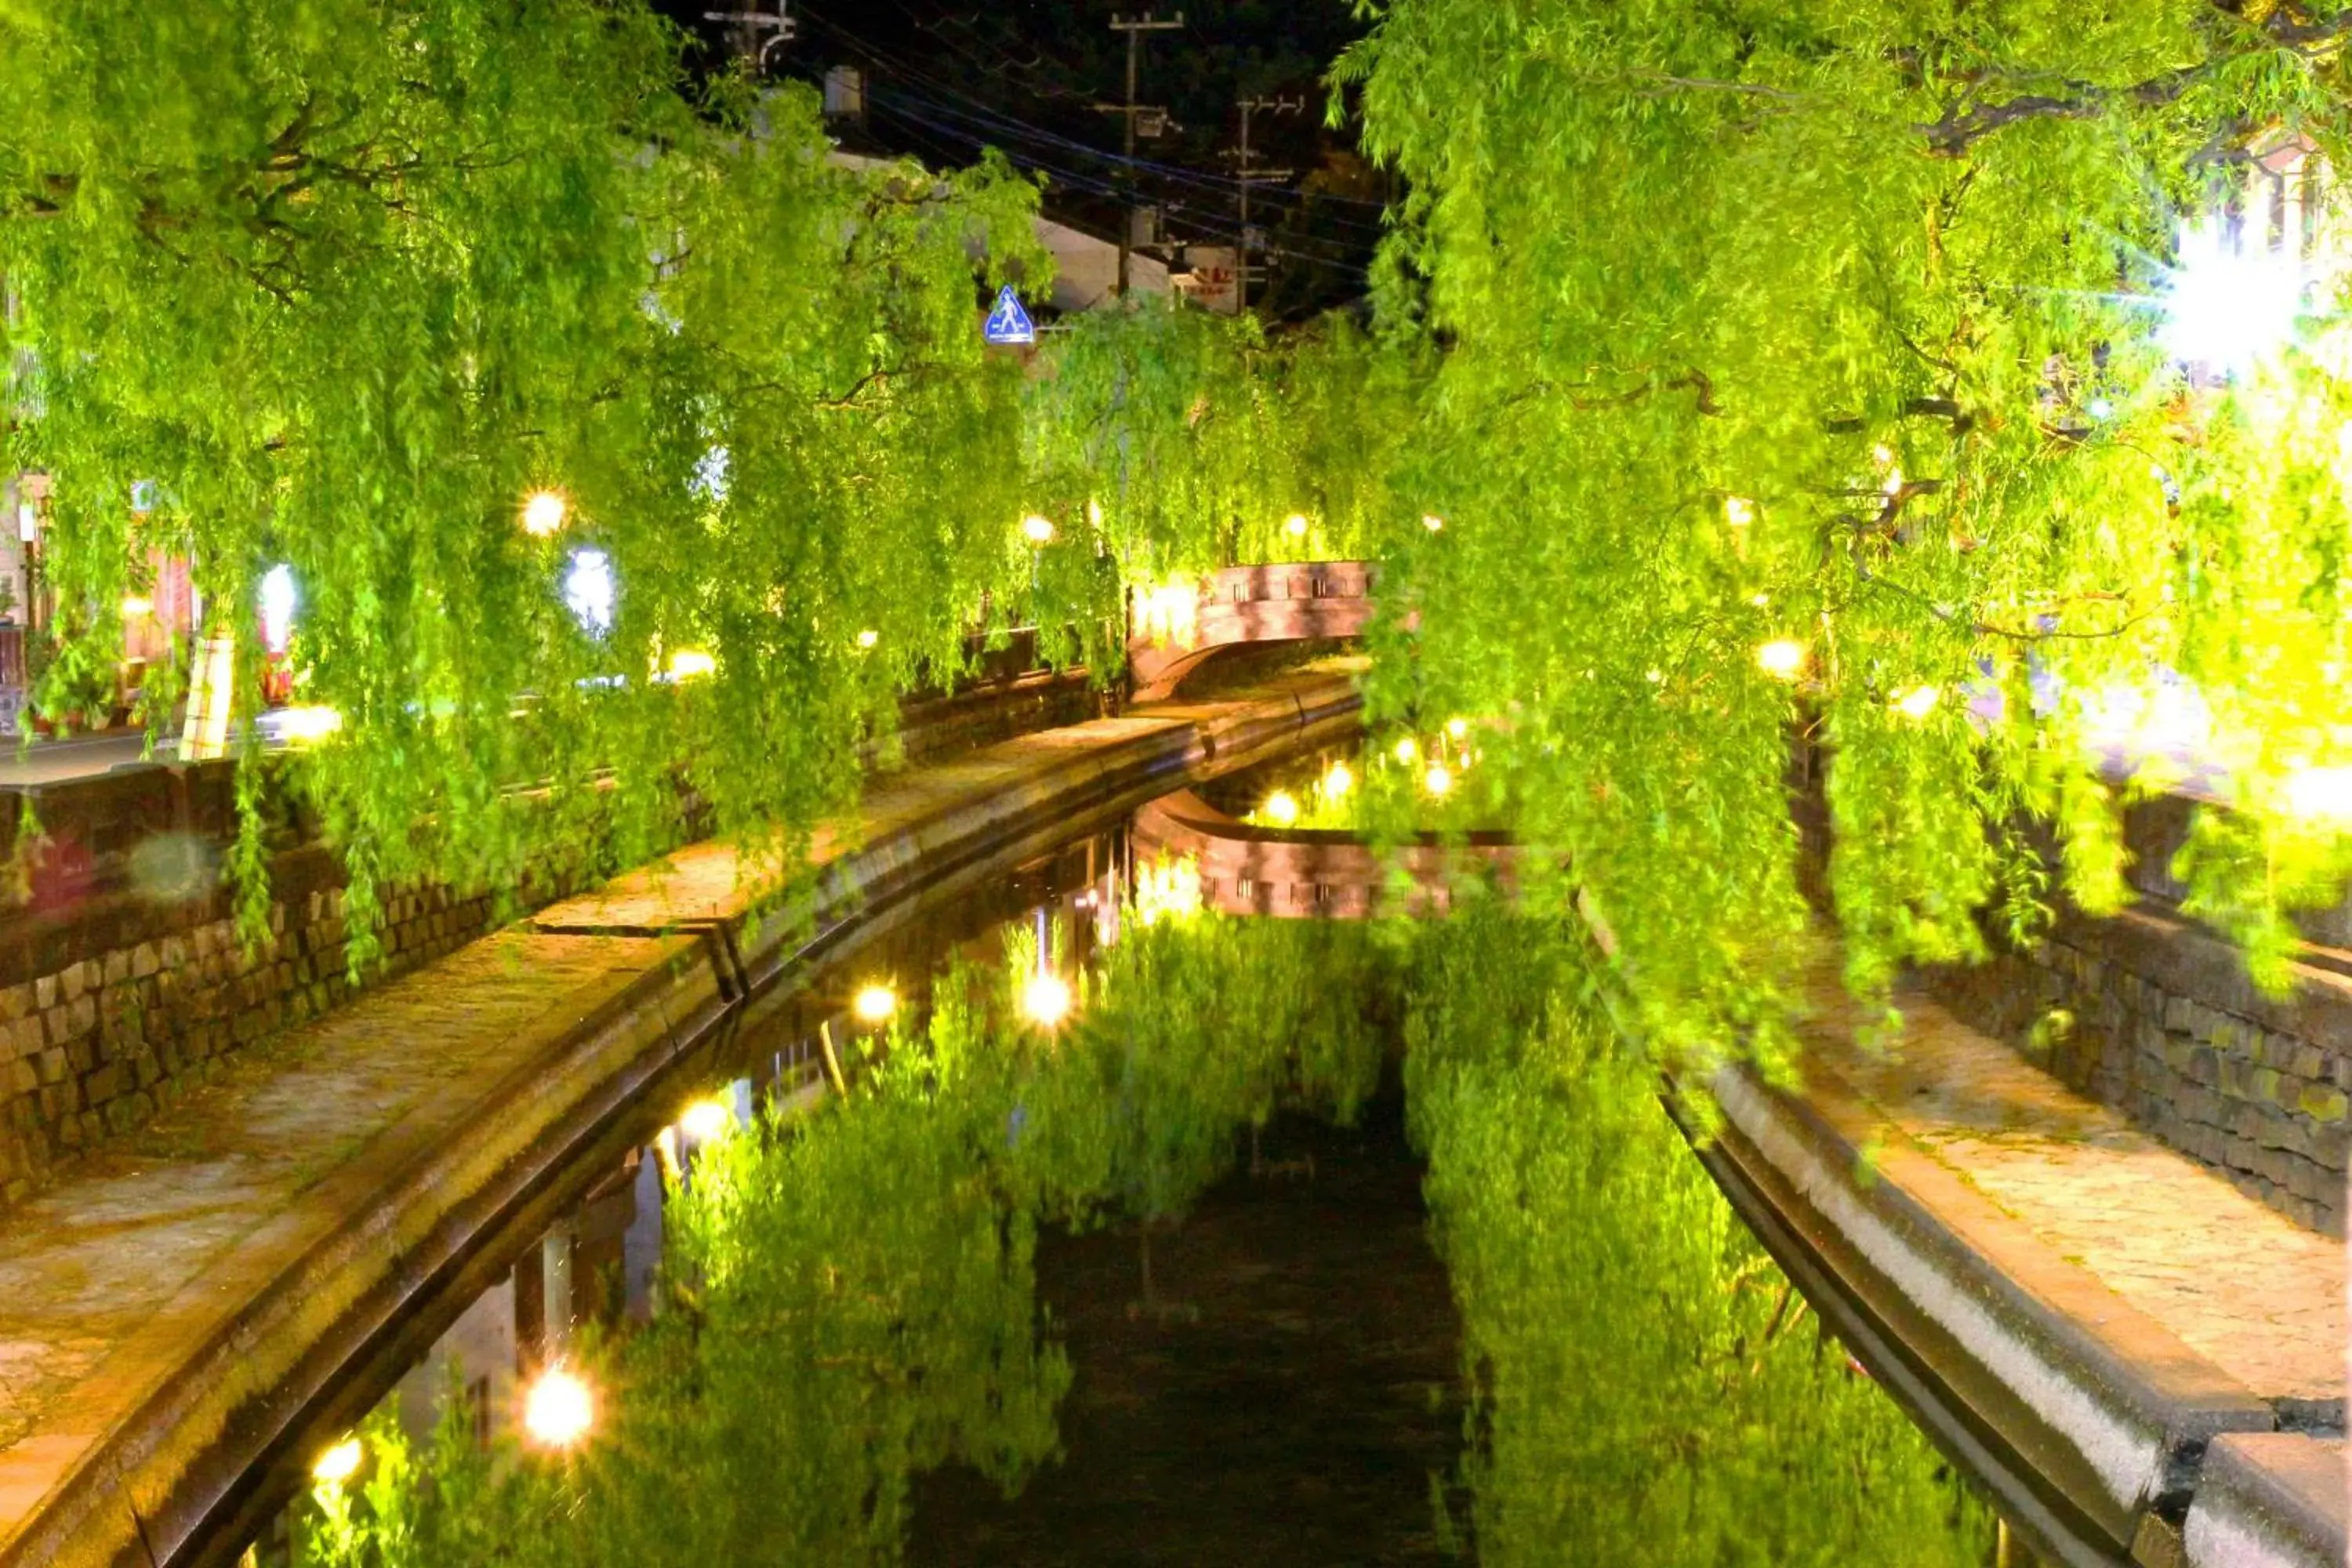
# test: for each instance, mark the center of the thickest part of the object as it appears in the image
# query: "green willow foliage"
(1835, 322)
(1647, 1387)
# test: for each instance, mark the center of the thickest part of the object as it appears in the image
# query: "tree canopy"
(1819, 365)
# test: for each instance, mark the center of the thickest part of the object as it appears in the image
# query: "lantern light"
(687, 664)
(559, 1410)
(1407, 750)
(1037, 529)
(1295, 525)
(1739, 511)
(875, 1003)
(1432, 521)
(544, 514)
(1437, 780)
(1782, 658)
(1338, 781)
(1919, 702)
(869, 638)
(1282, 808)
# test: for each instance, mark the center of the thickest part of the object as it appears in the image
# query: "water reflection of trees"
(851, 1300)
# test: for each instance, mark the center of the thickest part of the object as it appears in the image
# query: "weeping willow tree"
(1819, 364)
(340, 285)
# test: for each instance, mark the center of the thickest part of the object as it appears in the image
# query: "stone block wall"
(2150, 1014)
(123, 984)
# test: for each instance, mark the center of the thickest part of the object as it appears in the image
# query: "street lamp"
(543, 513)
(559, 1410)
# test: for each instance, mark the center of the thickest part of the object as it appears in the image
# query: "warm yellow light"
(1407, 750)
(1338, 781)
(1432, 521)
(544, 514)
(706, 1121)
(1037, 529)
(1437, 780)
(1457, 727)
(2321, 797)
(303, 724)
(1782, 658)
(876, 1004)
(869, 639)
(1094, 513)
(338, 1464)
(1295, 526)
(1739, 511)
(688, 663)
(1919, 702)
(1168, 890)
(135, 608)
(1047, 1000)
(1282, 808)
(559, 1410)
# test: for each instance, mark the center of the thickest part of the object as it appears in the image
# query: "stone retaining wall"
(123, 984)
(2152, 1014)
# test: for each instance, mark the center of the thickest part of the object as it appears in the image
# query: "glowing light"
(136, 608)
(1037, 529)
(1457, 727)
(1437, 780)
(687, 664)
(875, 1003)
(559, 1410)
(544, 514)
(1094, 514)
(301, 726)
(1407, 750)
(338, 1464)
(706, 1121)
(2100, 408)
(1295, 525)
(1432, 521)
(1739, 511)
(2227, 304)
(2169, 719)
(588, 591)
(1045, 999)
(869, 639)
(1169, 614)
(1782, 658)
(278, 608)
(1919, 702)
(1168, 890)
(2321, 797)
(1282, 808)
(1338, 781)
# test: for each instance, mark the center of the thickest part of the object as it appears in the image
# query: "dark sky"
(1025, 75)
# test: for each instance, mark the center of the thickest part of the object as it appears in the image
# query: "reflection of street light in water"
(338, 1464)
(559, 1410)
(1047, 1000)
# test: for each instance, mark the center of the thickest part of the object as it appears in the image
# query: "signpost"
(1009, 325)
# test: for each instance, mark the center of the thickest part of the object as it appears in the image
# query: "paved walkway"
(116, 1284)
(2236, 1280)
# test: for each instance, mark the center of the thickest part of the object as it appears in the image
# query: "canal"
(1082, 1222)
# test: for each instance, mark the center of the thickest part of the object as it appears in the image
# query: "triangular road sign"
(1009, 324)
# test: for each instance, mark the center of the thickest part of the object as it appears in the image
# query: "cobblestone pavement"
(112, 1278)
(2233, 1279)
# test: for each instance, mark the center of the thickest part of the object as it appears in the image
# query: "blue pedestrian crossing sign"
(1009, 324)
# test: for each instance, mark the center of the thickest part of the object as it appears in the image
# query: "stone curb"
(2084, 1415)
(2273, 1497)
(258, 1338)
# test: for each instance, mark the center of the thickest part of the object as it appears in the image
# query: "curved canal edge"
(219, 1295)
(2142, 1365)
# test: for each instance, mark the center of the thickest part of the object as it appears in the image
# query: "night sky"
(1023, 76)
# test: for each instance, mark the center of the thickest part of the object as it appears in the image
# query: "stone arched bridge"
(1173, 630)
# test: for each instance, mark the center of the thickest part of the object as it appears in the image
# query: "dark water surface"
(1291, 1395)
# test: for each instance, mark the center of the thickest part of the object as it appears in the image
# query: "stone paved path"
(113, 1278)
(2230, 1277)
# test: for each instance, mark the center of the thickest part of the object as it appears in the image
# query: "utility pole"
(1134, 28)
(1247, 177)
(750, 25)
